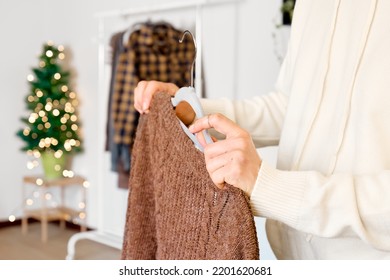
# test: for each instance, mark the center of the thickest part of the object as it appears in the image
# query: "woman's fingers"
(233, 160)
(217, 121)
(145, 90)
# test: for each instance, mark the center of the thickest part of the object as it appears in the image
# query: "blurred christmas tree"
(52, 129)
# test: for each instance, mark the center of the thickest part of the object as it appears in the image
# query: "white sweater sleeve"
(328, 206)
(262, 116)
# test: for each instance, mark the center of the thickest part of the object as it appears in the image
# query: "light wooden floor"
(16, 246)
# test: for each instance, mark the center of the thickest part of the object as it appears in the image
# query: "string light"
(48, 106)
(68, 173)
(49, 53)
(39, 182)
(29, 202)
(30, 78)
(48, 196)
(58, 153)
(26, 131)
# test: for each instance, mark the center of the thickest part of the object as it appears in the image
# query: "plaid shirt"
(152, 53)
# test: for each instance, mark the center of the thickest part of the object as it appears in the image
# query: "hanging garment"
(116, 47)
(174, 209)
(153, 52)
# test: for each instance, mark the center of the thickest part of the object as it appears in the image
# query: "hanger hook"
(193, 62)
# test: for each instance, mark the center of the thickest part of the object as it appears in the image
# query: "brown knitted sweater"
(174, 209)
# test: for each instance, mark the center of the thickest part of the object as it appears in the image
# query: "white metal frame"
(99, 235)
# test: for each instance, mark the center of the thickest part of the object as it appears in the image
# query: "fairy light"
(11, 218)
(49, 53)
(31, 98)
(30, 165)
(57, 76)
(64, 88)
(58, 154)
(42, 113)
(39, 93)
(86, 184)
(81, 205)
(67, 146)
(82, 215)
(48, 106)
(75, 103)
(74, 127)
(29, 202)
(68, 173)
(42, 64)
(30, 78)
(72, 95)
(39, 182)
(37, 154)
(61, 56)
(26, 131)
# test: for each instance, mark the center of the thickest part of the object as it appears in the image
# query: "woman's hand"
(145, 90)
(233, 160)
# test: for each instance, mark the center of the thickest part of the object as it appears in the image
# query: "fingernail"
(191, 127)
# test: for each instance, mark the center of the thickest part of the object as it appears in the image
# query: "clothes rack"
(100, 235)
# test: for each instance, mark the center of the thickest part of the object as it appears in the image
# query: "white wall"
(239, 62)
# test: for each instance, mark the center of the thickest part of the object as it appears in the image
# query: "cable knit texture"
(174, 209)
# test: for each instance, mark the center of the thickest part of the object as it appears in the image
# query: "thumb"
(217, 121)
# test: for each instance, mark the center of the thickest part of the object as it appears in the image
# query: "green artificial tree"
(52, 129)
